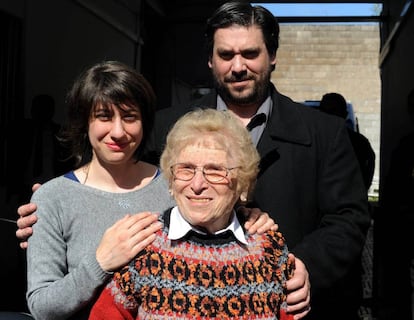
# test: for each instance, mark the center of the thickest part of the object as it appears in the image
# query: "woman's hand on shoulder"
(125, 239)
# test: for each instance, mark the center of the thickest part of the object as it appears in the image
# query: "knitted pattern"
(201, 277)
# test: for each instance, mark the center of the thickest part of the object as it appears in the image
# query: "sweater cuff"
(97, 272)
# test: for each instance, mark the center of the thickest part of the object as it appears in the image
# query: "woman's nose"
(117, 129)
(198, 182)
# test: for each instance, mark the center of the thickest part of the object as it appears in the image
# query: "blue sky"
(318, 9)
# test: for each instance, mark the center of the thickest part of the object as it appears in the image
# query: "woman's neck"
(116, 178)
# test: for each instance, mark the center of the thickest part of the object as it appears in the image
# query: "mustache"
(239, 78)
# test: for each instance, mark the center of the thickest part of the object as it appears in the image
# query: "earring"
(243, 197)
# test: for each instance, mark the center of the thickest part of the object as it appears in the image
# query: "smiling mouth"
(116, 146)
(240, 84)
(199, 200)
(234, 79)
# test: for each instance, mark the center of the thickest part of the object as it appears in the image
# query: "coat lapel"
(286, 124)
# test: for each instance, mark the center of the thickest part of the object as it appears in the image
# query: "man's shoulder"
(296, 123)
(292, 113)
(289, 106)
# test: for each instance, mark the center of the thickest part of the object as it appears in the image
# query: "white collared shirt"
(265, 108)
(179, 227)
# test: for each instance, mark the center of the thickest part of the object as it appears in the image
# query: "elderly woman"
(203, 264)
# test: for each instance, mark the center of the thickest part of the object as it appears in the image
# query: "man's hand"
(126, 238)
(298, 298)
(257, 221)
(27, 218)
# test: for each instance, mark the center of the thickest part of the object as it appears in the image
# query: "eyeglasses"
(212, 173)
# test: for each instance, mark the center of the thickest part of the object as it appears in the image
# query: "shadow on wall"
(12, 269)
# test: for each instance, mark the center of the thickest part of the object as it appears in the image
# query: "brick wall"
(314, 59)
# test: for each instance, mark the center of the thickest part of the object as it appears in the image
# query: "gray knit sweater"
(62, 272)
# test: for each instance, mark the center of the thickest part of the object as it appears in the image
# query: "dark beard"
(258, 95)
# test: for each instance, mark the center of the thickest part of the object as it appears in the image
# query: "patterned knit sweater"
(201, 277)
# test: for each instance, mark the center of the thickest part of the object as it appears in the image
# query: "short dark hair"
(243, 14)
(334, 103)
(107, 83)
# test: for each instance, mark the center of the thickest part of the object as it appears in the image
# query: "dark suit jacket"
(310, 184)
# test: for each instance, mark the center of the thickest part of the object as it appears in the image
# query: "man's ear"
(209, 63)
(273, 61)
